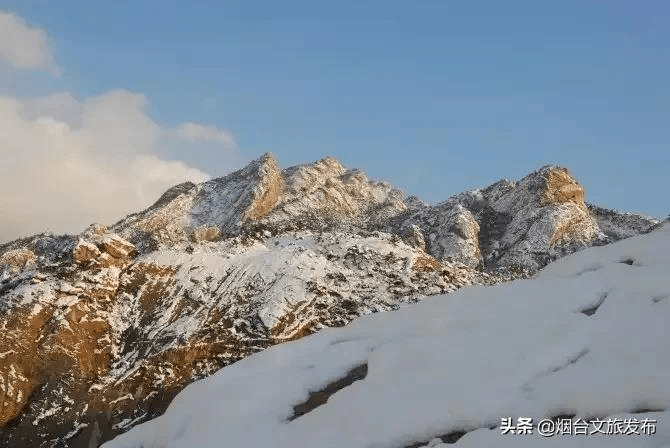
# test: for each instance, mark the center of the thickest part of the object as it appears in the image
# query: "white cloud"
(24, 46)
(197, 132)
(68, 163)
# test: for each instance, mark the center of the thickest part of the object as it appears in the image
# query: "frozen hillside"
(585, 340)
(105, 340)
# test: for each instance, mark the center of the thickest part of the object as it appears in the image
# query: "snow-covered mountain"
(581, 349)
(101, 330)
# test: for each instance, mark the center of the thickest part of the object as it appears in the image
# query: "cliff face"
(220, 205)
(102, 329)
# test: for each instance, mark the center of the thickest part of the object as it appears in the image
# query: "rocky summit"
(101, 330)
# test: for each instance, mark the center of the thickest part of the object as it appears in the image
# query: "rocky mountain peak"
(559, 187)
(525, 223)
(310, 195)
(326, 193)
(208, 210)
(267, 190)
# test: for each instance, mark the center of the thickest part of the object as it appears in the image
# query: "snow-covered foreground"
(589, 336)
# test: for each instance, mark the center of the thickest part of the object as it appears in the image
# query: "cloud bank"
(24, 46)
(68, 163)
(193, 132)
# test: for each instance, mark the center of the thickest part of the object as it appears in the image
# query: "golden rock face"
(574, 223)
(205, 233)
(17, 259)
(64, 333)
(561, 187)
(85, 252)
(103, 249)
(268, 191)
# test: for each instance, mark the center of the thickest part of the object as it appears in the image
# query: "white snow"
(75, 430)
(457, 362)
(285, 263)
(125, 397)
(66, 301)
(45, 413)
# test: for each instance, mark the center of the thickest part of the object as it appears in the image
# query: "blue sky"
(434, 96)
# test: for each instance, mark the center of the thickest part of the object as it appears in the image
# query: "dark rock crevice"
(320, 397)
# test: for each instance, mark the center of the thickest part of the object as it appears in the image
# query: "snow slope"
(587, 337)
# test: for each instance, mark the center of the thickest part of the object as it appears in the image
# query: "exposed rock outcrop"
(101, 248)
(17, 259)
(560, 187)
